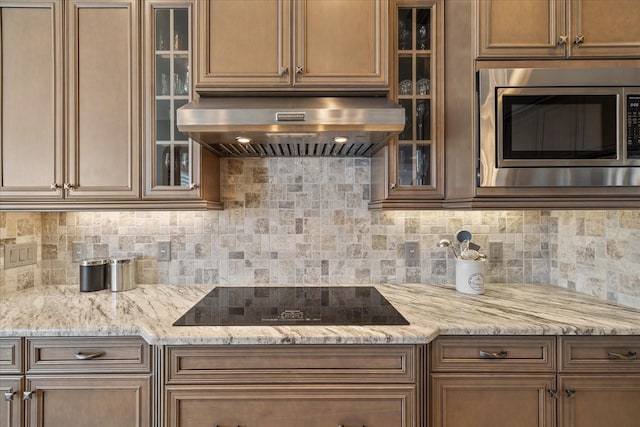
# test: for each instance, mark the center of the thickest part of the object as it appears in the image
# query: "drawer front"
(11, 355)
(600, 354)
(493, 354)
(287, 364)
(54, 355)
(309, 406)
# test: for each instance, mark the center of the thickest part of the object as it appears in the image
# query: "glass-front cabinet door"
(414, 159)
(171, 166)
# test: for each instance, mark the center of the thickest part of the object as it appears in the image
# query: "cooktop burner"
(271, 306)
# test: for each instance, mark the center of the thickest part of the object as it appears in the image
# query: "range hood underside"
(286, 127)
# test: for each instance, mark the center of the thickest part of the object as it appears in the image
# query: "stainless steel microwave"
(559, 128)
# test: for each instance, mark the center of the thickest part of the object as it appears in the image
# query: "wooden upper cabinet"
(103, 100)
(340, 43)
(30, 99)
(558, 29)
(605, 29)
(280, 44)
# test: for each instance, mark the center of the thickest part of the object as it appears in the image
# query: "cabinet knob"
(27, 395)
(68, 186)
(299, 70)
(284, 70)
(8, 395)
(571, 394)
(54, 186)
(563, 40)
(87, 356)
(553, 393)
(579, 39)
(392, 185)
(493, 355)
(631, 355)
(193, 186)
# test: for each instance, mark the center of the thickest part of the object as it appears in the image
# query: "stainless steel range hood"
(291, 126)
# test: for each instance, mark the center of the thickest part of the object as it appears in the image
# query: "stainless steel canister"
(122, 274)
(94, 274)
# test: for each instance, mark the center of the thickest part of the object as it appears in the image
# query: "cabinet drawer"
(493, 354)
(11, 355)
(599, 354)
(53, 355)
(291, 364)
(309, 406)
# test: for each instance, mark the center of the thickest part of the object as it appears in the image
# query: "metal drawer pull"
(570, 393)
(88, 356)
(8, 395)
(631, 355)
(342, 425)
(27, 395)
(490, 355)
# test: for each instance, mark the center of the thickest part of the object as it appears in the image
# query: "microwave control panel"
(633, 126)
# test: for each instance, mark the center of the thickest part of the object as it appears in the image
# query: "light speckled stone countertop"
(150, 310)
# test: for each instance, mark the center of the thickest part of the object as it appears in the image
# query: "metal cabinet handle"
(193, 186)
(299, 70)
(392, 186)
(54, 186)
(579, 39)
(553, 393)
(27, 395)
(284, 70)
(218, 425)
(631, 355)
(8, 395)
(571, 394)
(68, 186)
(344, 425)
(87, 356)
(491, 355)
(563, 40)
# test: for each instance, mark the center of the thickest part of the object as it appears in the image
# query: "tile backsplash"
(305, 220)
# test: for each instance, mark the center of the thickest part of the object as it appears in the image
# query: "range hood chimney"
(291, 126)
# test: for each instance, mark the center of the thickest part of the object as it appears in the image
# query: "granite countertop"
(432, 310)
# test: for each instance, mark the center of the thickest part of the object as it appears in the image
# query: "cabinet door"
(408, 172)
(521, 29)
(599, 400)
(103, 101)
(30, 99)
(10, 401)
(244, 43)
(489, 400)
(312, 406)
(605, 29)
(169, 155)
(88, 400)
(341, 43)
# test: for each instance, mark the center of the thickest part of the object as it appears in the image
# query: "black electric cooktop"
(271, 306)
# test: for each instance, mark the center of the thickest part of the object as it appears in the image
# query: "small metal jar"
(94, 274)
(122, 274)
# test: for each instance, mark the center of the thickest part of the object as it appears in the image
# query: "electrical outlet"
(19, 255)
(411, 254)
(164, 251)
(495, 251)
(78, 251)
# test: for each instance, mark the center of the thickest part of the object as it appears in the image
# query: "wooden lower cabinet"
(599, 400)
(11, 401)
(463, 400)
(88, 400)
(312, 406)
(295, 385)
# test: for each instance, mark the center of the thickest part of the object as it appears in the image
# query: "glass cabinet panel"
(414, 92)
(172, 156)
